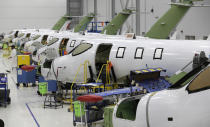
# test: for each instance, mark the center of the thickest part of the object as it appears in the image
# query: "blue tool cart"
(150, 79)
(52, 85)
(4, 91)
(26, 77)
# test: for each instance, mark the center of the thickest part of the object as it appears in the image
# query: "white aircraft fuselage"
(186, 105)
(125, 55)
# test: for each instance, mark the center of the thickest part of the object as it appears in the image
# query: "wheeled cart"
(4, 91)
(87, 110)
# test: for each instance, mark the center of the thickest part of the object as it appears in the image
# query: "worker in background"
(1, 123)
(13, 57)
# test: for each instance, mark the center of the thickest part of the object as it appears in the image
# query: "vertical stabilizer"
(83, 23)
(60, 23)
(116, 23)
(164, 26)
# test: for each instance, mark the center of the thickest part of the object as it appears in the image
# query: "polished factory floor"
(26, 108)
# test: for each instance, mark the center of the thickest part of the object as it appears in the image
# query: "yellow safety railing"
(107, 65)
(85, 64)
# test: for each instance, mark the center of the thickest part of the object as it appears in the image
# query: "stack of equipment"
(4, 91)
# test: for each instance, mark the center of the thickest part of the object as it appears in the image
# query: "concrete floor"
(24, 100)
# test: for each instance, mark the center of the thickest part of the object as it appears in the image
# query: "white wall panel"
(30, 13)
(196, 21)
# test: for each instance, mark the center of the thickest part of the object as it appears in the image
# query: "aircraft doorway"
(62, 47)
(28, 35)
(102, 55)
(44, 39)
(16, 34)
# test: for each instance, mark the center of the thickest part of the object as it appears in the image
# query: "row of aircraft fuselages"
(177, 106)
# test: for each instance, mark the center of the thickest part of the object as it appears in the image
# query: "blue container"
(41, 79)
(26, 76)
(52, 85)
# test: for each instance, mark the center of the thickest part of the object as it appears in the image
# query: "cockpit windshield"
(201, 82)
(20, 35)
(81, 48)
(35, 37)
(52, 41)
(188, 77)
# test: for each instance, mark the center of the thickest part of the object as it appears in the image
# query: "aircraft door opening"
(62, 47)
(102, 55)
(28, 35)
(44, 39)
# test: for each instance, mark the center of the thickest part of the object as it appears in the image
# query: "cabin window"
(72, 43)
(35, 37)
(139, 53)
(120, 52)
(81, 48)
(205, 37)
(127, 109)
(52, 41)
(158, 53)
(189, 37)
(201, 82)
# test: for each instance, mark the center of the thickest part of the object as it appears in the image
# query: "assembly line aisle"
(26, 108)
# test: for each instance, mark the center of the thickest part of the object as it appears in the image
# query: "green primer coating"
(108, 113)
(163, 27)
(174, 78)
(83, 24)
(60, 23)
(127, 110)
(116, 23)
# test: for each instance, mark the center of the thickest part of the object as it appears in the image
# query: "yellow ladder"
(85, 64)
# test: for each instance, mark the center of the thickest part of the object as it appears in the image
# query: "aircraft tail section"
(167, 22)
(170, 19)
(60, 23)
(116, 23)
(83, 23)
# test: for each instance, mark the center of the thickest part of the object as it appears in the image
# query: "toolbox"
(150, 79)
